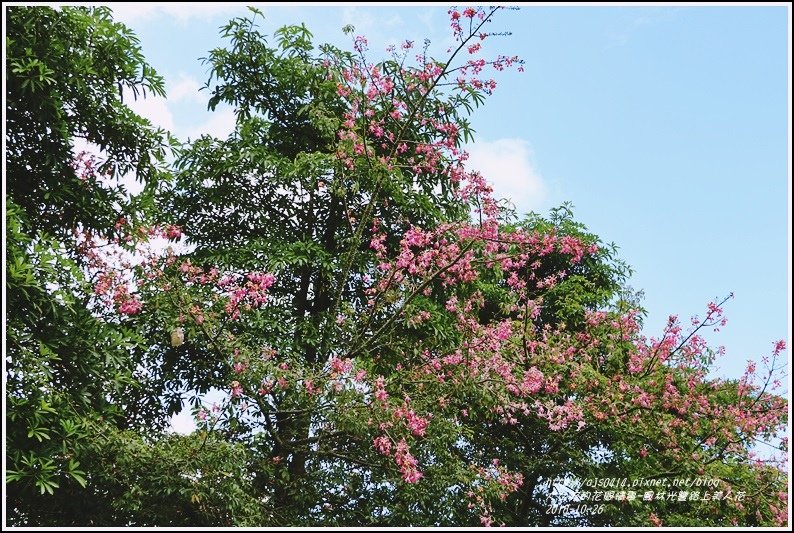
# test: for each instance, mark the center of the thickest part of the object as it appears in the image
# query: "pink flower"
(415, 423)
(376, 130)
(310, 388)
(552, 386)
(265, 388)
(381, 395)
(341, 366)
(104, 283)
(383, 445)
(412, 476)
(407, 463)
(643, 400)
(237, 389)
(173, 232)
(533, 380)
(380, 389)
(131, 307)
(360, 43)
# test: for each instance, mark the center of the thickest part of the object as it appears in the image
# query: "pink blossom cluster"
(380, 108)
(86, 167)
(248, 293)
(383, 445)
(169, 232)
(415, 423)
(341, 366)
(407, 463)
(380, 389)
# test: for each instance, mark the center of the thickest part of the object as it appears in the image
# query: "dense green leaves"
(67, 72)
(66, 366)
(174, 481)
(375, 354)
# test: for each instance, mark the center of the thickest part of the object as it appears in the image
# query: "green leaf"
(39, 433)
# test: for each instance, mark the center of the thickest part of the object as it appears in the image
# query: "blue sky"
(666, 127)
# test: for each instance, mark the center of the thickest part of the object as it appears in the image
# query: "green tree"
(173, 480)
(336, 272)
(66, 73)
(394, 347)
(298, 209)
(66, 366)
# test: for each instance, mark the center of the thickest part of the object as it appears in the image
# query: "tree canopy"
(393, 345)
(67, 364)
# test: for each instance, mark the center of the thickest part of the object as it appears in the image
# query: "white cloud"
(152, 107)
(426, 17)
(221, 123)
(129, 13)
(508, 165)
(81, 145)
(185, 88)
(361, 19)
(183, 423)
